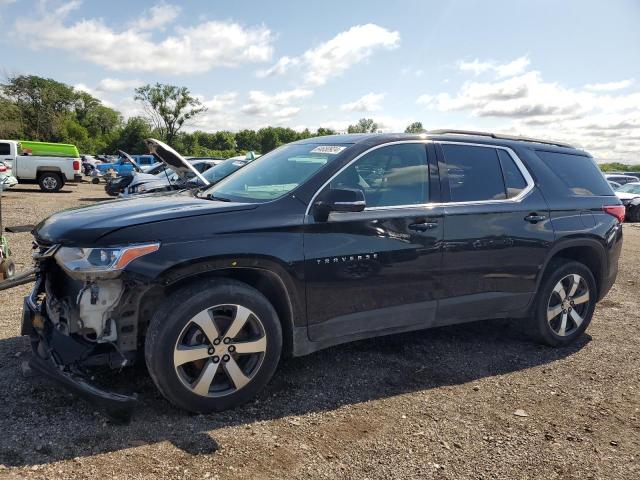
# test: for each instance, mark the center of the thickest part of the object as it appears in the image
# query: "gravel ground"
(470, 401)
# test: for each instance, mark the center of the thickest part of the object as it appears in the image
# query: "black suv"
(319, 242)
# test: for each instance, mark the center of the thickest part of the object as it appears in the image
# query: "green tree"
(248, 140)
(10, 119)
(364, 125)
(131, 135)
(325, 131)
(415, 127)
(268, 138)
(43, 103)
(168, 107)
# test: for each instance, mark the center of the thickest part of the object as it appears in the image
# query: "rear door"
(376, 271)
(496, 232)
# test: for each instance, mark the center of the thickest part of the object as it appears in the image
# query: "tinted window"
(579, 173)
(474, 173)
(5, 149)
(389, 176)
(513, 178)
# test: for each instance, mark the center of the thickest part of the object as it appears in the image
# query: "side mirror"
(339, 200)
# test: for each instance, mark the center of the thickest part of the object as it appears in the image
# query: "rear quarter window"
(578, 172)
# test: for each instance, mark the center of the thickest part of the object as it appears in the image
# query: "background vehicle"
(123, 166)
(7, 267)
(620, 178)
(614, 185)
(213, 173)
(629, 194)
(89, 163)
(6, 177)
(50, 172)
(320, 242)
(633, 174)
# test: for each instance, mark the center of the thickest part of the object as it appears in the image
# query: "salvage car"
(7, 180)
(320, 242)
(164, 183)
(629, 194)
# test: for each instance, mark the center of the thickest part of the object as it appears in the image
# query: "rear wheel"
(50, 182)
(566, 301)
(213, 346)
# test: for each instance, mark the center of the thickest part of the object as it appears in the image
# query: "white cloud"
(606, 124)
(194, 49)
(277, 105)
(501, 70)
(333, 57)
(218, 103)
(157, 17)
(367, 103)
(117, 85)
(610, 86)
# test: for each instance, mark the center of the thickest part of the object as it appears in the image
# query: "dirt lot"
(433, 404)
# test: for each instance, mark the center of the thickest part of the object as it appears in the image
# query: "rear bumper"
(77, 177)
(51, 349)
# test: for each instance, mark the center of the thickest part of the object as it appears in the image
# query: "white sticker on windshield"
(330, 149)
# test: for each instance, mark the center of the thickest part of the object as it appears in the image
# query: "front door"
(496, 233)
(375, 271)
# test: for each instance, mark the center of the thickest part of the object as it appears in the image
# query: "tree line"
(43, 109)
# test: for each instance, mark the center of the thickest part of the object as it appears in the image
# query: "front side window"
(277, 173)
(389, 176)
(474, 173)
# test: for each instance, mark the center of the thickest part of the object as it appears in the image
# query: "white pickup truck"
(51, 173)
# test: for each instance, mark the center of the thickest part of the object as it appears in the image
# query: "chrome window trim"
(523, 170)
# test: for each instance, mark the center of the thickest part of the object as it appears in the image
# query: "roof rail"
(446, 131)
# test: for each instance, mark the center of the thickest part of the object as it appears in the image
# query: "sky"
(564, 70)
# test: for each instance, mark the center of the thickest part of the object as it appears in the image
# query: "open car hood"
(130, 159)
(173, 160)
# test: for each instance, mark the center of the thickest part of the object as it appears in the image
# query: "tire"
(556, 322)
(50, 182)
(7, 269)
(634, 214)
(175, 329)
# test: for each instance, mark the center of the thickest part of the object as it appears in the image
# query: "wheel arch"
(589, 252)
(266, 281)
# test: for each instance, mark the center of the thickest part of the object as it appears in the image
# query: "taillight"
(617, 211)
(76, 164)
(3, 169)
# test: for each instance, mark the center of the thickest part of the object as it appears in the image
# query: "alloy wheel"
(568, 305)
(220, 350)
(50, 183)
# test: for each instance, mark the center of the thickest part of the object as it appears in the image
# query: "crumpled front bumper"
(51, 348)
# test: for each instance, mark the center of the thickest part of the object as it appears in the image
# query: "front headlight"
(99, 260)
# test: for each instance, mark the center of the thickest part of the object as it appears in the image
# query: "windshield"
(224, 169)
(630, 188)
(277, 173)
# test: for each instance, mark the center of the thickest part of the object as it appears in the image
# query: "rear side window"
(578, 172)
(513, 179)
(474, 173)
(5, 149)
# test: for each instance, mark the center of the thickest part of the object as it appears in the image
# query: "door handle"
(535, 218)
(423, 227)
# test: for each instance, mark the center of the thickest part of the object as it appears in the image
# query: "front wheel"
(566, 302)
(213, 346)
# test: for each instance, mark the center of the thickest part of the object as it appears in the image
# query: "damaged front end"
(83, 313)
